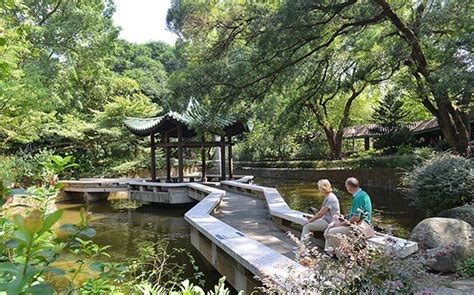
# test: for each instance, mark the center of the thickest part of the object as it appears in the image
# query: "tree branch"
(417, 52)
(55, 8)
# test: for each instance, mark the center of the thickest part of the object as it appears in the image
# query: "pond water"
(124, 228)
(391, 210)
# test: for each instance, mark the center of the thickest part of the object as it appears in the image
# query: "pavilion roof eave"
(194, 119)
(145, 126)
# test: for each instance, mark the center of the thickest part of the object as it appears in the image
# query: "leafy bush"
(370, 153)
(24, 168)
(404, 149)
(32, 242)
(392, 140)
(155, 265)
(317, 149)
(424, 153)
(466, 269)
(440, 183)
(405, 162)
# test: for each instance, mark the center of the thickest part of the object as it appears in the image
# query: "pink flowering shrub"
(359, 269)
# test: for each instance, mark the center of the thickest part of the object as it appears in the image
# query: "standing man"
(359, 216)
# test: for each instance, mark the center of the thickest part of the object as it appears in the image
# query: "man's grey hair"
(353, 182)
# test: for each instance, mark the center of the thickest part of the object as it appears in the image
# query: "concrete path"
(251, 216)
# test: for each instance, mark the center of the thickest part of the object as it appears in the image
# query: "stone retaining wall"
(375, 177)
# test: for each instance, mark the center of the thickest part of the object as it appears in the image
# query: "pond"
(391, 210)
(125, 228)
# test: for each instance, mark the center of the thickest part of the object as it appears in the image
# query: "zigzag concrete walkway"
(251, 216)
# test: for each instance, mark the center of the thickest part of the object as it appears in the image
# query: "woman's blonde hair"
(324, 185)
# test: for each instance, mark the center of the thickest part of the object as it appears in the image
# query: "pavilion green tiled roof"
(195, 118)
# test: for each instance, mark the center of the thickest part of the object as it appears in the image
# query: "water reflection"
(392, 211)
(124, 229)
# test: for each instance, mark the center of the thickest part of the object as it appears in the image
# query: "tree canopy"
(67, 81)
(322, 51)
(301, 71)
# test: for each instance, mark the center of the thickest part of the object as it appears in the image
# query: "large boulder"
(441, 232)
(448, 240)
(465, 213)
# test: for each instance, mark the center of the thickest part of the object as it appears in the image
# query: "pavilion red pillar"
(223, 157)
(231, 164)
(168, 158)
(180, 154)
(203, 159)
(153, 157)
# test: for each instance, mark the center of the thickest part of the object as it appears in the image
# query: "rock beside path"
(441, 232)
(448, 240)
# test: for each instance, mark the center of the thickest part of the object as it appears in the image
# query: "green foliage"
(57, 165)
(396, 162)
(368, 153)
(66, 82)
(155, 265)
(262, 144)
(404, 149)
(389, 112)
(278, 133)
(466, 269)
(30, 249)
(324, 59)
(391, 140)
(149, 64)
(32, 242)
(424, 153)
(389, 115)
(185, 288)
(24, 168)
(440, 183)
(4, 193)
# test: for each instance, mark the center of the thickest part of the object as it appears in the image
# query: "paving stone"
(253, 218)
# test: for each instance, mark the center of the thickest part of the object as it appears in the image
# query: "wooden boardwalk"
(251, 216)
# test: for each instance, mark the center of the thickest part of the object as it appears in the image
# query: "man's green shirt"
(361, 206)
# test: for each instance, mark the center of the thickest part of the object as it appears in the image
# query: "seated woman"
(329, 211)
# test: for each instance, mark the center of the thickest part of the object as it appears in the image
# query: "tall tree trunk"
(451, 120)
(335, 143)
(453, 128)
(334, 139)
